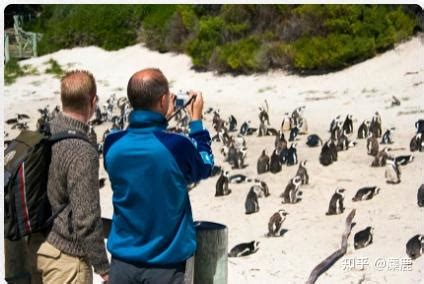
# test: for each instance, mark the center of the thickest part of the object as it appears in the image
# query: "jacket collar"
(146, 119)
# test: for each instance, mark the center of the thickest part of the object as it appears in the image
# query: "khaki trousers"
(51, 266)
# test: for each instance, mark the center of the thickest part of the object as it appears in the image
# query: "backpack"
(26, 164)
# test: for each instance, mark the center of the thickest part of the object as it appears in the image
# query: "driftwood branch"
(329, 261)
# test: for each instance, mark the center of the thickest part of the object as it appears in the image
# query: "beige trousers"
(51, 266)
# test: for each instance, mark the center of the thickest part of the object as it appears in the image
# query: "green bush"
(12, 70)
(234, 38)
(54, 68)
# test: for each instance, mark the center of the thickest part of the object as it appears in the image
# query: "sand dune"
(359, 90)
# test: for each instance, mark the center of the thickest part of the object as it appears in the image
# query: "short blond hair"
(77, 89)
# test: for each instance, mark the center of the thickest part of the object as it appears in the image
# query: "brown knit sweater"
(74, 180)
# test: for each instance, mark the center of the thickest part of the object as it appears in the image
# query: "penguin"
(232, 123)
(252, 204)
(343, 142)
(275, 163)
(336, 202)
(270, 131)
(387, 137)
(415, 246)
(420, 196)
(264, 187)
(417, 143)
(275, 222)
(366, 193)
(372, 144)
(336, 132)
(287, 123)
(404, 159)
(348, 124)
(244, 249)
(263, 163)
(293, 133)
(262, 129)
(290, 194)
(303, 173)
(363, 130)
(292, 155)
(280, 142)
(419, 125)
(392, 172)
(313, 140)
(381, 158)
(334, 123)
(239, 178)
(263, 115)
(222, 185)
(328, 153)
(297, 116)
(363, 238)
(303, 126)
(375, 125)
(244, 127)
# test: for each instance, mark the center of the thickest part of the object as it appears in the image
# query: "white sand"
(359, 90)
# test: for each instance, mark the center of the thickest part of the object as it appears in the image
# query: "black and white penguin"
(375, 125)
(403, 160)
(290, 194)
(275, 162)
(334, 123)
(372, 145)
(392, 172)
(232, 123)
(363, 238)
(348, 124)
(343, 142)
(303, 172)
(420, 196)
(313, 140)
(387, 137)
(417, 143)
(328, 153)
(263, 163)
(262, 131)
(275, 222)
(222, 185)
(419, 126)
(415, 246)
(244, 249)
(238, 178)
(287, 123)
(336, 132)
(336, 202)
(363, 130)
(244, 128)
(280, 141)
(293, 133)
(270, 131)
(366, 193)
(381, 158)
(264, 187)
(292, 155)
(252, 204)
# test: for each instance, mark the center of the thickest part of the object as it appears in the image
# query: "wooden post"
(6, 48)
(211, 260)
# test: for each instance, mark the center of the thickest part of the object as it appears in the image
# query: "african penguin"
(404, 159)
(363, 130)
(239, 178)
(328, 153)
(381, 158)
(336, 202)
(303, 173)
(366, 193)
(420, 196)
(262, 131)
(287, 123)
(415, 246)
(263, 163)
(348, 124)
(387, 137)
(419, 126)
(392, 172)
(275, 163)
(375, 125)
(293, 133)
(292, 155)
(275, 222)
(290, 194)
(372, 145)
(252, 204)
(244, 249)
(363, 238)
(222, 184)
(417, 143)
(313, 140)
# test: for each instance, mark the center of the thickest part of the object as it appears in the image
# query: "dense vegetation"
(234, 38)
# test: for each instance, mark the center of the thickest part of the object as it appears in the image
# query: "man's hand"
(195, 108)
(171, 105)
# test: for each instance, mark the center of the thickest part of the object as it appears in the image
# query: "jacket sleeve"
(83, 187)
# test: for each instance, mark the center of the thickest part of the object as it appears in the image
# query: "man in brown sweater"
(75, 241)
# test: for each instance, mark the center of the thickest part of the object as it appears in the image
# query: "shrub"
(54, 68)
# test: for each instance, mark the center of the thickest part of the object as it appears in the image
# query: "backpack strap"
(69, 134)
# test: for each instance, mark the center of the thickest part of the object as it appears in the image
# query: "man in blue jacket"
(152, 233)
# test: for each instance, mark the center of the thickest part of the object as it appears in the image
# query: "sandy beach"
(360, 90)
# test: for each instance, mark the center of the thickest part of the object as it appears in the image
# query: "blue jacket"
(149, 169)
